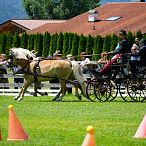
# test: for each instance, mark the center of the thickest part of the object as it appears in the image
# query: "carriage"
(119, 83)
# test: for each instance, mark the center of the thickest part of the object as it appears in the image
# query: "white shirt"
(84, 62)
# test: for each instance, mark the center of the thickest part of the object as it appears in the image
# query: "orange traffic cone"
(141, 131)
(89, 139)
(0, 134)
(15, 129)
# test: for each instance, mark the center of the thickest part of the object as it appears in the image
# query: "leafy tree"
(39, 9)
(46, 44)
(57, 9)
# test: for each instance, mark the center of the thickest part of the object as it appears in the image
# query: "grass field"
(63, 123)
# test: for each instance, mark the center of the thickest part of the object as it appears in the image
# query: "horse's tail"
(79, 76)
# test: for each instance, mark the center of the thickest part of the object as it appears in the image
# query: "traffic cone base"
(16, 139)
(15, 129)
(141, 131)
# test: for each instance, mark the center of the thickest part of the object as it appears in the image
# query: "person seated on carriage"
(141, 54)
(134, 59)
(103, 60)
(84, 62)
(119, 52)
(57, 55)
(136, 42)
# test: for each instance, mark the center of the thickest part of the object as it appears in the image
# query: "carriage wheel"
(114, 91)
(102, 89)
(137, 89)
(123, 90)
(90, 91)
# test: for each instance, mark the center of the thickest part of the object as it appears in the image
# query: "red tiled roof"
(132, 19)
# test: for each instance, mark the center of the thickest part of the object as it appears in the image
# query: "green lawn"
(63, 123)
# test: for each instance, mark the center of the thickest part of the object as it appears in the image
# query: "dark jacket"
(123, 48)
(142, 54)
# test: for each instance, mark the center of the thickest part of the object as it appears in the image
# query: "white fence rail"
(9, 89)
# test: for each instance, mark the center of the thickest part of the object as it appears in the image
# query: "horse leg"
(63, 90)
(76, 92)
(82, 87)
(23, 90)
(57, 96)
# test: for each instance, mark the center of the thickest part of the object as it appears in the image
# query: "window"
(113, 18)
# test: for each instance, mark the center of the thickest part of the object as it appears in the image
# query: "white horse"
(48, 69)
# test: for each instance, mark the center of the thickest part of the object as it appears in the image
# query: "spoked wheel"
(102, 89)
(90, 90)
(137, 89)
(123, 90)
(114, 91)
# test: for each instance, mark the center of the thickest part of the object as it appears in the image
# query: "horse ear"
(11, 54)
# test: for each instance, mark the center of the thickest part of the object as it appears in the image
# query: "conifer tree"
(9, 43)
(107, 43)
(65, 44)
(3, 43)
(89, 45)
(98, 45)
(114, 42)
(71, 36)
(60, 42)
(46, 44)
(39, 44)
(31, 40)
(75, 45)
(82, 44)
(130, 38)
(53, 44)
(16, 40)
(139, 35)
(24, 41)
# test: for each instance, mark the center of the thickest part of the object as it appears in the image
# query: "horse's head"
(11, 59)
(15, 59)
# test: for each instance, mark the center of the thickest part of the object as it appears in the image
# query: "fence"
(8, 89)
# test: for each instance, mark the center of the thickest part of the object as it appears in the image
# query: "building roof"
(27, 24)
(131, 18)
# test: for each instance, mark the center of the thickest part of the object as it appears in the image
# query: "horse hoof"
(15, 98)
(79, 97)
(19, 99)
(54, 99)
(58, 99)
